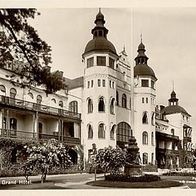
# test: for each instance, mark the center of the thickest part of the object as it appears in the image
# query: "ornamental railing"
(19, 103)
(17, 134)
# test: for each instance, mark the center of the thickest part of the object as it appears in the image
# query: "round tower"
(144, 106)
(99, 96)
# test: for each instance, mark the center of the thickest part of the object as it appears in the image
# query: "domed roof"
(141, 46)
(143, 70)
(173, 109)
(100, 44)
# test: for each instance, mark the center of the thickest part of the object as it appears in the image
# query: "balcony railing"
(19, 103)
(7, 133)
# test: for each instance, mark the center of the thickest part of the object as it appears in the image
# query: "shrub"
(180, 174)
(128, 178)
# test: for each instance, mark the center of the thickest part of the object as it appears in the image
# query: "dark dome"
(143, 70)
(100, 44)
(172, 109)
(141, 46)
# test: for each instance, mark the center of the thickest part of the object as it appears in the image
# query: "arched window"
(101, 131)
(90, 105)
(90, 132)
(152, 138)
(117, 98)
(30, 95)
(2, 88)
(61, 104)
(112, 106)
(39, 99)
(13, 93)
(112, 132)
(123, 132)
(53, 100)
(145, 138)
(145, 158)
(101, 105)
(124, 101)
(73, 106)
(145, 118)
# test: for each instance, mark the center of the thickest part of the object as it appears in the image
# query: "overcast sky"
(169, 35)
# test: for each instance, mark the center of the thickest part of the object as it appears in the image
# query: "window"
(152, 118)
(130, 104)
(61, 103)
(110, 84)
(91, 83)
(145, 138)
(88, 84)
(142, 99)
(13, 93)
(13, 124)
(101, 61)
(30, 95)
(4, 126)
(152, 84)
(145, 158)
(124, 101)
(146, 99)
(90, 132)
(101, 105)
(112, 132)
(123, 132)
(112, 106)
(145, 83)
(90, 106)
(99, 82)
(73, 106)
(172, 131)
(2, 89)
(39, 99)
(152, 138)
(101, 131)
(145, 118)
(117, 98)
(152, 158)
(53, 100)
(103, 83)
(111, 63)
(90, 62)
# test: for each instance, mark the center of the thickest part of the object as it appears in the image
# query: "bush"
(128, 178)
(180, 174)
(13, 170)
(150, 168)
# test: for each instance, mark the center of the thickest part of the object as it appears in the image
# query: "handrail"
(38, 107)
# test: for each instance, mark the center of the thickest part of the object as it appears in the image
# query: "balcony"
(26, 105)
(165, 136)
(16, 134)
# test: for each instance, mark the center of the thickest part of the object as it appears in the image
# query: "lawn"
(154, 184)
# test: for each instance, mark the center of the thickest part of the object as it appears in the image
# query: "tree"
(111, 159)
(20, 43)
(42, 157)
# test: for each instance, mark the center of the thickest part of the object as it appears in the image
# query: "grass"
(117, 184)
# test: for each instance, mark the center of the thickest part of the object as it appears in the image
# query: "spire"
(124, 51)
(173, 100)
(99, 30)
(141, 57)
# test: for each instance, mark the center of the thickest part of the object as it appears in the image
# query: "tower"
(144, 106)
(99, 113)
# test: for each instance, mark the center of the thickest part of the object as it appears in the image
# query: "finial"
(141, 37)
(173, 84)
(124, 48)
(99, 10)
